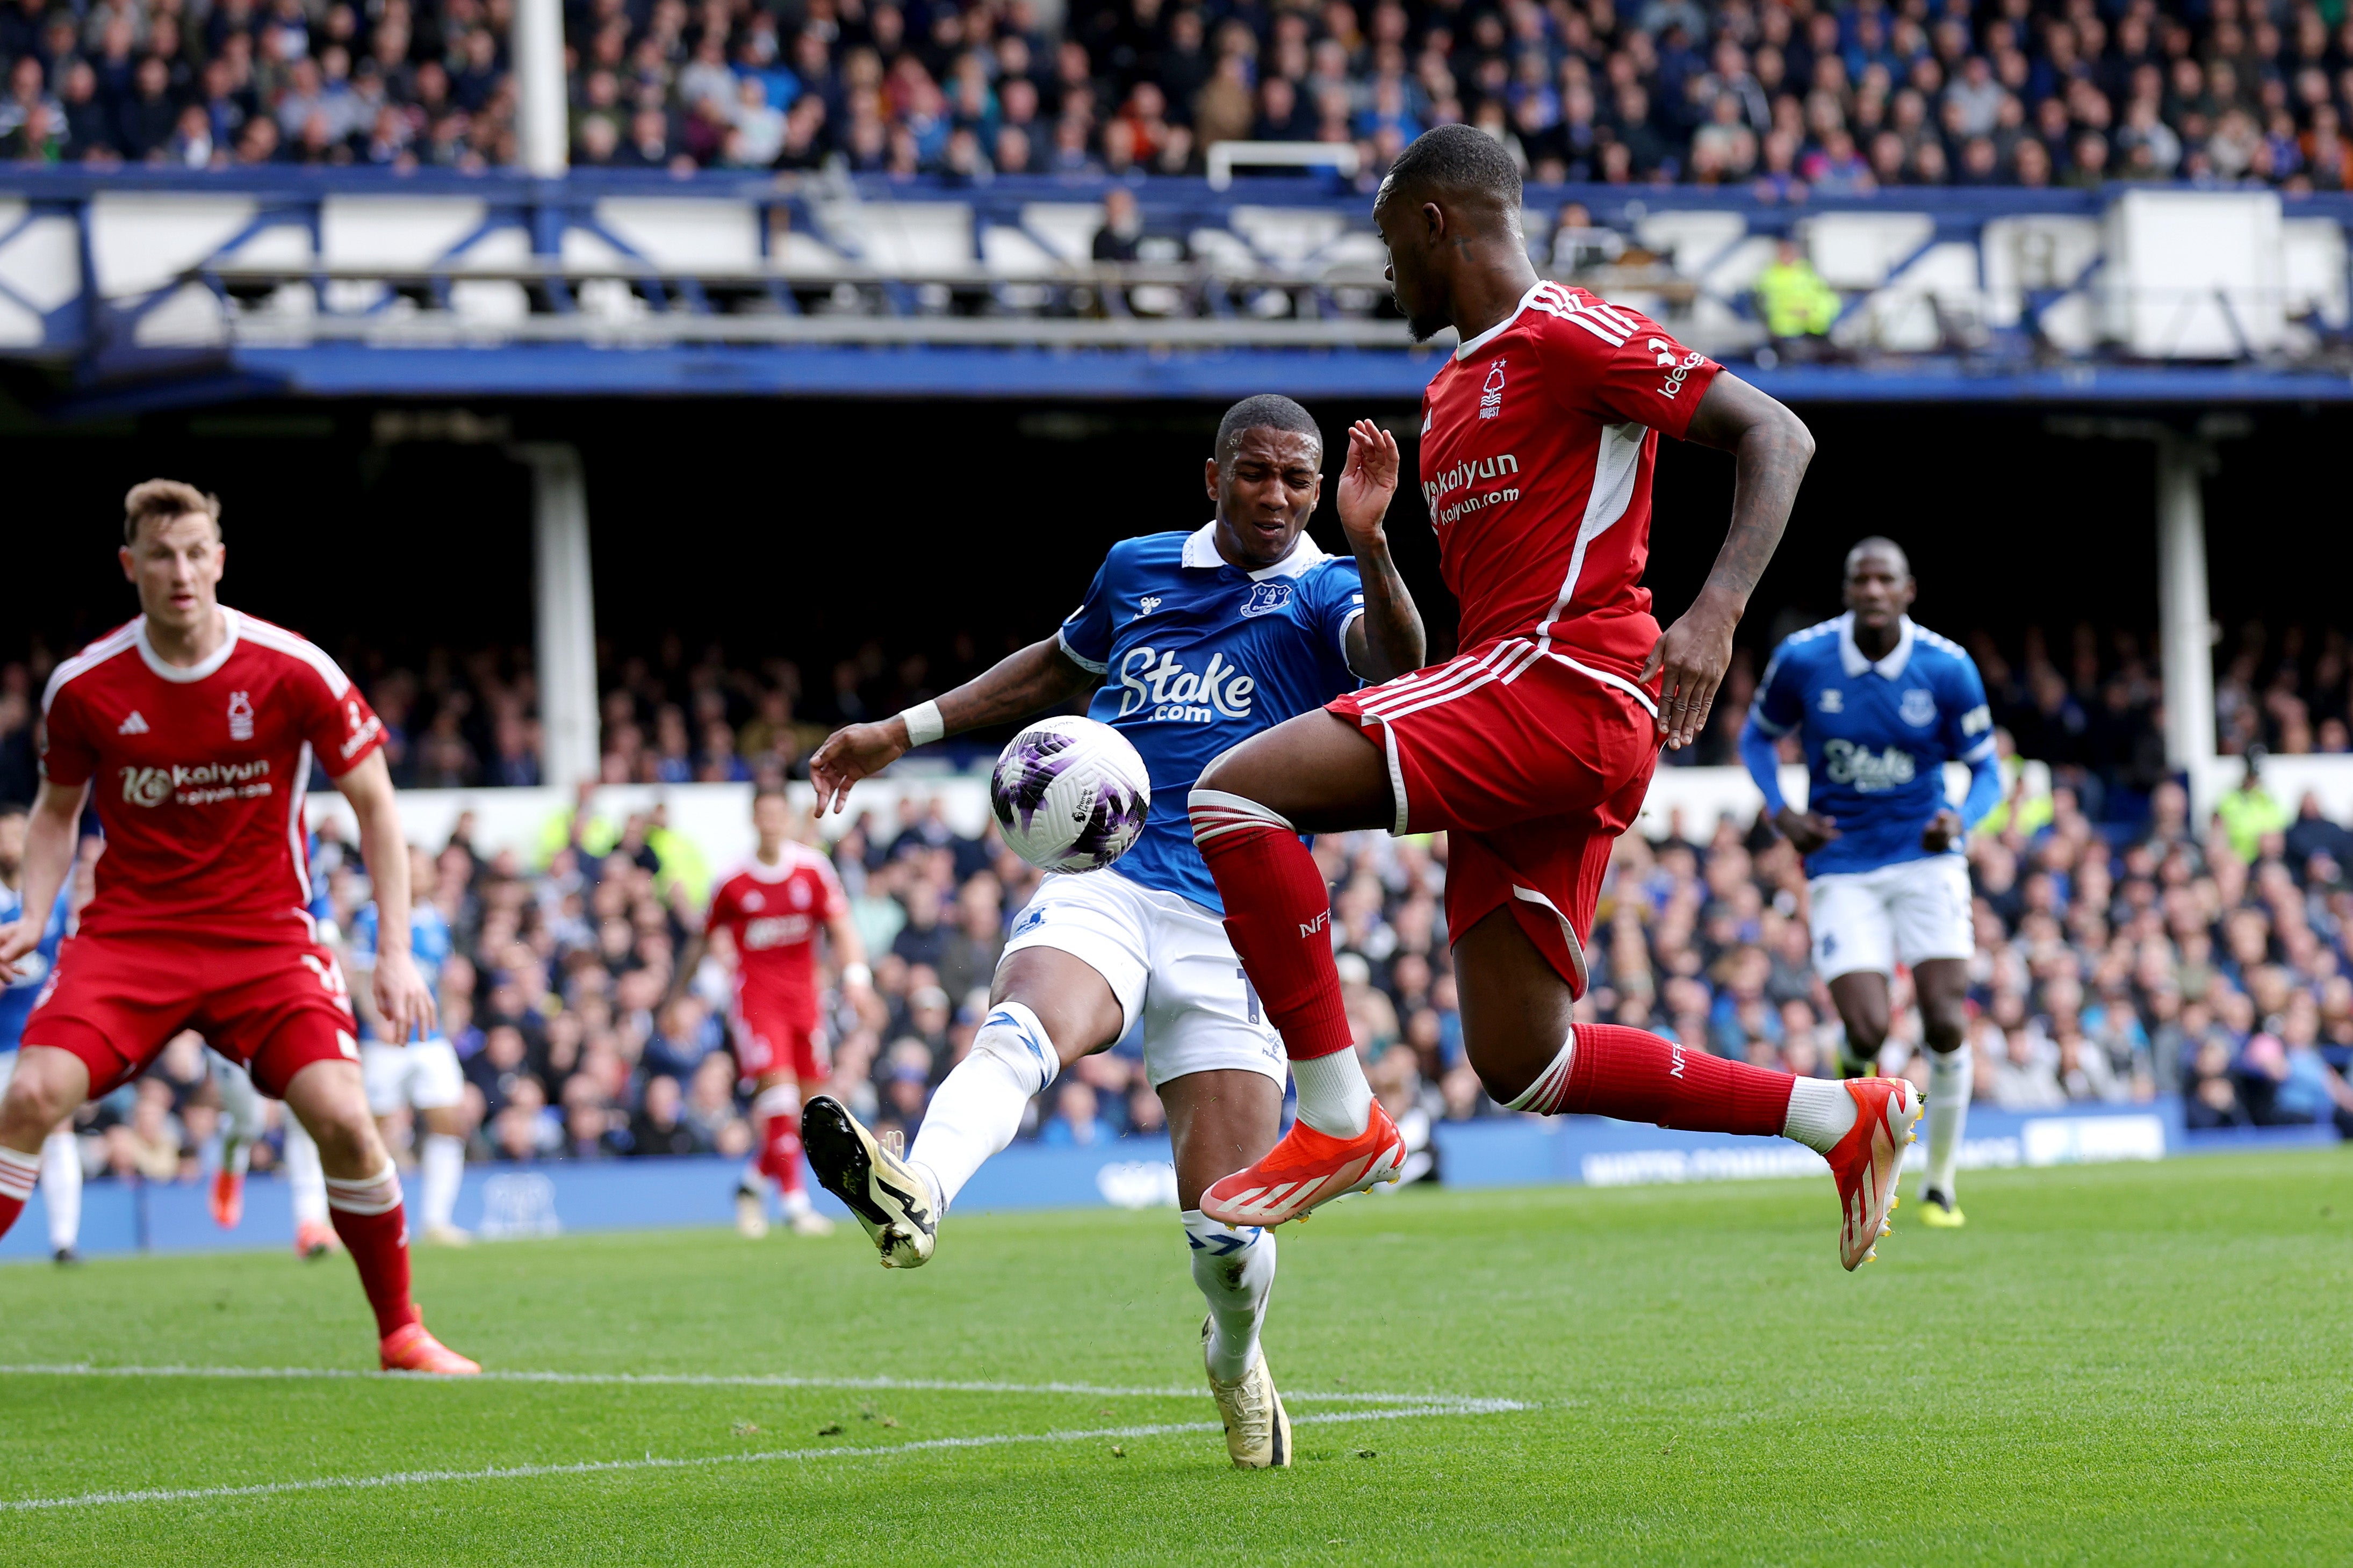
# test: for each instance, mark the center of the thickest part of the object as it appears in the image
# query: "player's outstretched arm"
(1040, 676)
(1387, 640)
(1770, 448)
(403, 1001)
(48, 859)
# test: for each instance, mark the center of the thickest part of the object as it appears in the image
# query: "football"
(1069, 795)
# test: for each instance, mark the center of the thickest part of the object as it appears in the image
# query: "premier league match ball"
(1069, 795)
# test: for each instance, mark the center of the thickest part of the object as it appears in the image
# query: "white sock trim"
(1821, 1112)
(1016, 1036)
(379, 1193)
(1214, 812)
(1543, 1096)
(1333, 1097)
(777, 1100)
(17, 1173)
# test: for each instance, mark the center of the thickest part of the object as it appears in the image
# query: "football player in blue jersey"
(1881, 705)
(422, 1074)
(60, 1154)
(1194, 642)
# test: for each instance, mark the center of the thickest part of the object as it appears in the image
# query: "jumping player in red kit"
(772, 906)
(1532, 748)
(193, 729)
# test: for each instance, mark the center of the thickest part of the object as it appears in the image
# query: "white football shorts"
(1909, 912)
(1169, 961)
(423, 1075)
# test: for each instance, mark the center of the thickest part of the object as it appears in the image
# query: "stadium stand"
(1839, 100)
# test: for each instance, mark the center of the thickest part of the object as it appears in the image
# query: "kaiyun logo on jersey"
(1173, 691)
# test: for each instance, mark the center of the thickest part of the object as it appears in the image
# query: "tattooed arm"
(1770, 448)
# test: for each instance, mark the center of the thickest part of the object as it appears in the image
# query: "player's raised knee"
(43, 1091)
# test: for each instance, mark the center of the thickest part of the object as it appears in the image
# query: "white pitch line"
(686, 1379)
(605, 1467)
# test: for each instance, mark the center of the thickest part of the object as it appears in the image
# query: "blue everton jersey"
(16, 996)
(428, 943)
(1877, 735)
(1197, 656)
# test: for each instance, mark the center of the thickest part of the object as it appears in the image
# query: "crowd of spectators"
(2124, 951)
(2114, 965)
(1787, 97)
(2089, 705)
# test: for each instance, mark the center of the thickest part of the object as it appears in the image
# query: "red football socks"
(780, 1139)
(1279, 917)
(367, 1214)
(1635, 1076)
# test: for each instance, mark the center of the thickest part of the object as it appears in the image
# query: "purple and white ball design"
(1069, 795)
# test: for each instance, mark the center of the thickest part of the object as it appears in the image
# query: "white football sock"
(304, 1177)
(1234, 1267)
(61, 1187)
(442, 1167)
(1821, 1112)
(979, 1106)
(1951, 1076)
(1333, 1097)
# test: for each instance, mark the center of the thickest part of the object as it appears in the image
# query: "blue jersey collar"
(1201, 551)
(1853, 660)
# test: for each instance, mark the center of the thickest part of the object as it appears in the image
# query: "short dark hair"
(1460, 160)
(1881, 542)
(762, 792)
(164, 499)
(10, 808)
(1267, 411)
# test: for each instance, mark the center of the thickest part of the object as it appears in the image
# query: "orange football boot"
(1867, 1161)
(315, 1238)
(411, 1348)
(227, 1198)
(1305, 1169)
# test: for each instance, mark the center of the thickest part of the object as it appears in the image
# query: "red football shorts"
(774, 1036)
(1532, 762)
(274, 1007)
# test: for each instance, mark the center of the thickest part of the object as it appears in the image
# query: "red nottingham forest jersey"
(198, 774)
(773, 912)
(1537, 442)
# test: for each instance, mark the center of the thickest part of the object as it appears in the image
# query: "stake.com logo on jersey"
(1220, 691)
(198, 786)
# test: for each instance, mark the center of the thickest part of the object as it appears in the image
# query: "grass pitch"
(2142, 1362)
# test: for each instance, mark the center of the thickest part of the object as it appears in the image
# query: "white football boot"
(1258, 1428)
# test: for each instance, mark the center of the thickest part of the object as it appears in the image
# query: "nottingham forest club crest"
(1491, 392)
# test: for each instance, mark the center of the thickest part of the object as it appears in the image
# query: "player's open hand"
(1369, 479)
(1690, 660)
(17, 939)
(1806, 831)
(850, 755)
(403, 1000)
(1943, 831)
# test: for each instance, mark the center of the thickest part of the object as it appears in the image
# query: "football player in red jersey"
(772, 906)
(193, 729)
(1532, 748)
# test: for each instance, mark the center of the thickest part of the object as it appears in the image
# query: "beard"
(1425, 326)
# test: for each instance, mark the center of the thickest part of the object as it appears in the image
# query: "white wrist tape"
(924, 725)
(857, 974)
